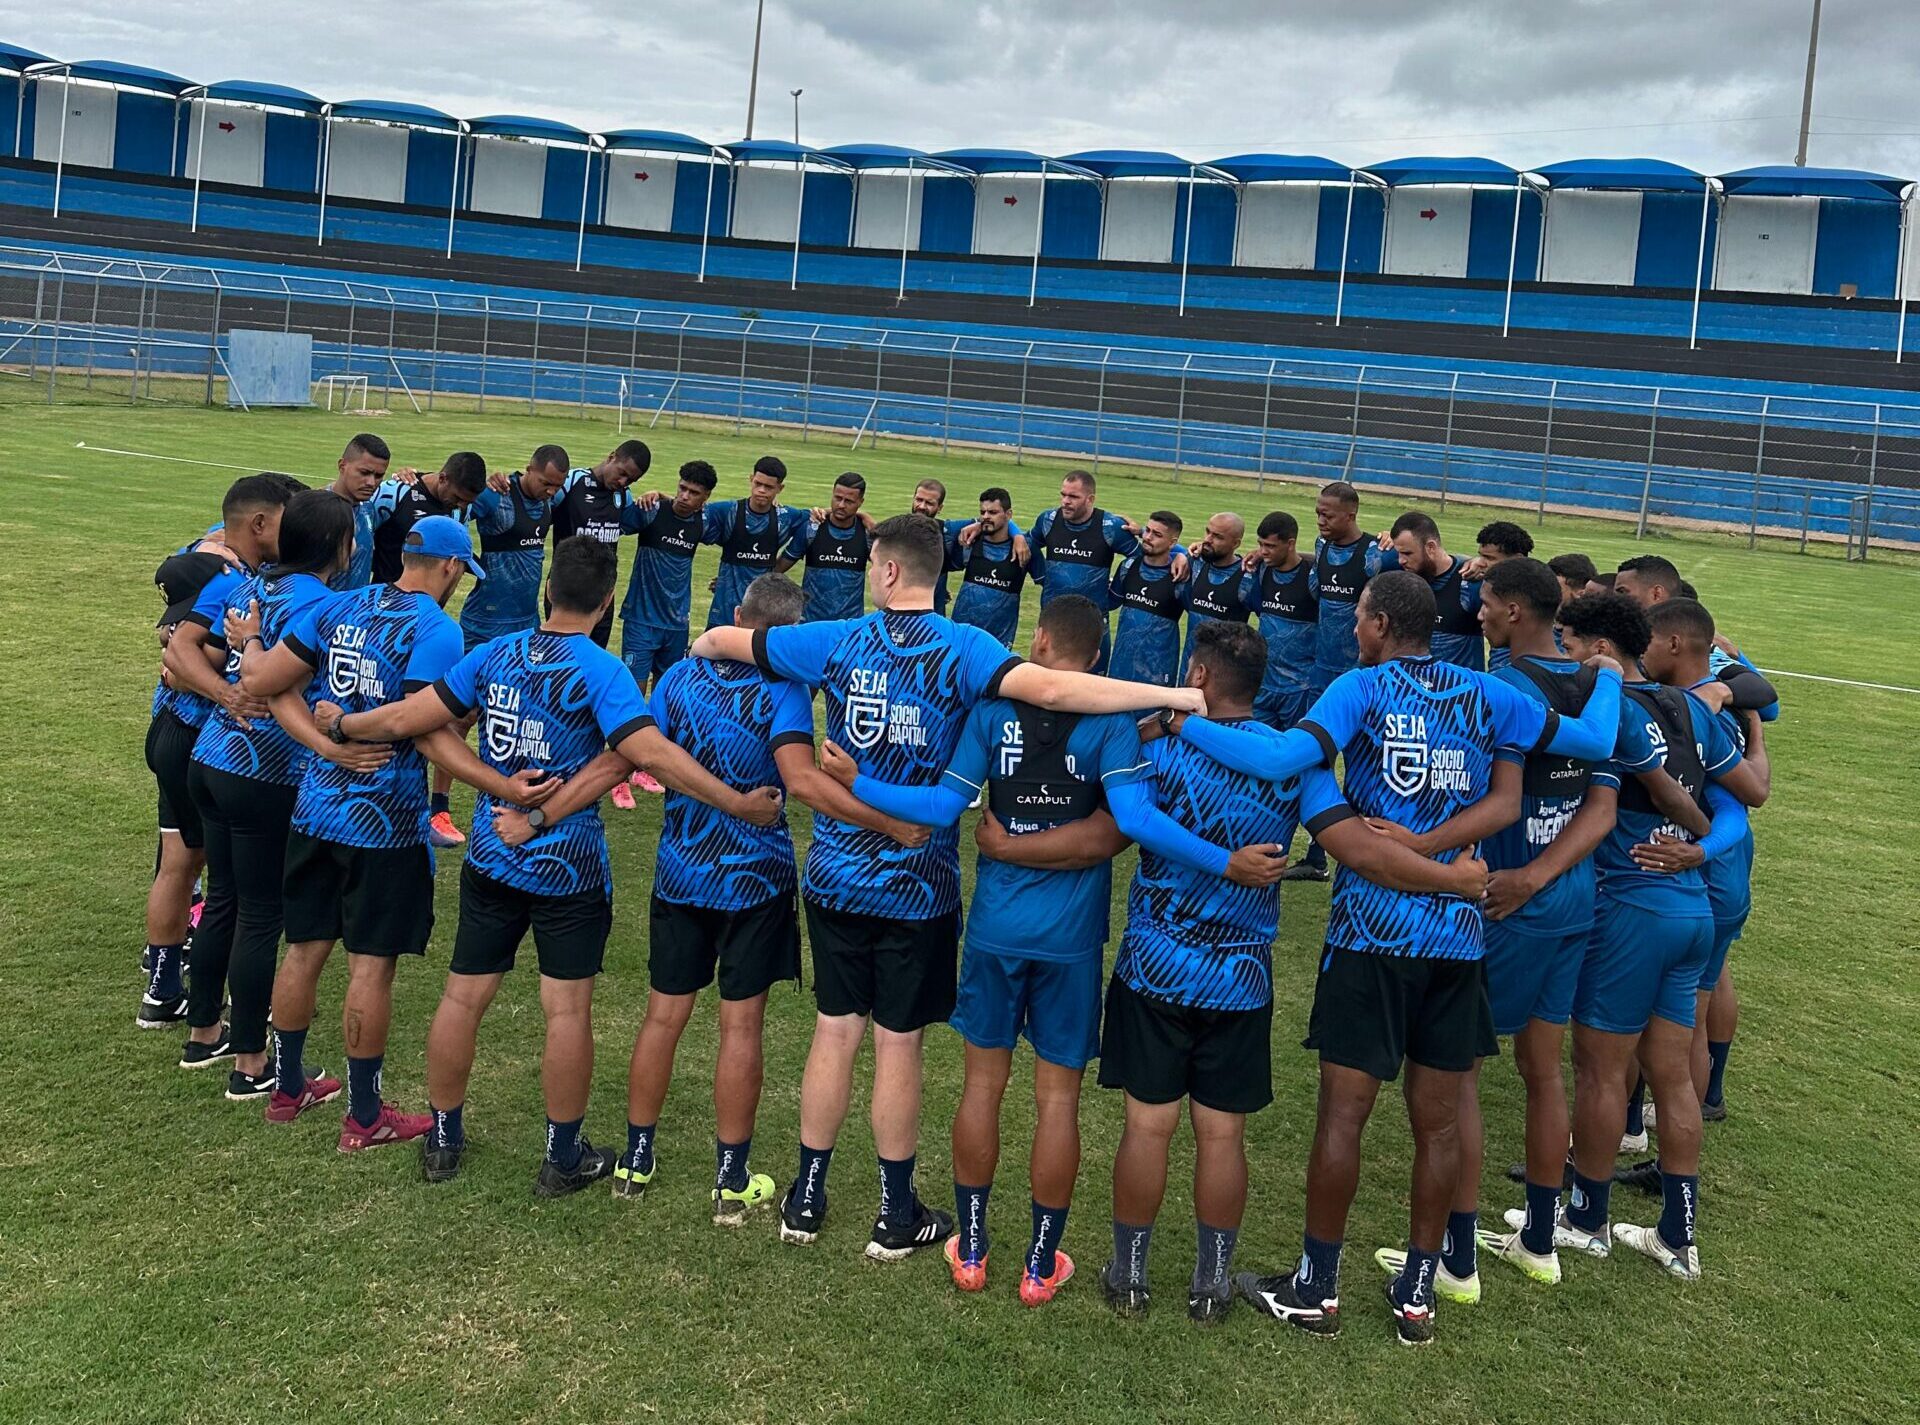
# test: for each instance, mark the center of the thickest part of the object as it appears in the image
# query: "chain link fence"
(78, 328)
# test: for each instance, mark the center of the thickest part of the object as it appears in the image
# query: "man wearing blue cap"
(358, 866)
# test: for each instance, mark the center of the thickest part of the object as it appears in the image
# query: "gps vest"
(528, 530)
(1042, 790)
(1566, 694)
(589, 508)
(1155, 596)
(1288, 595)
(389, 541)
(1448, 616)
(752, 549)
(1084, 546)
(1217, 601)
(1342, 583)
(1672, 727)
(826, 551)
(1005, 576)
(676, 534)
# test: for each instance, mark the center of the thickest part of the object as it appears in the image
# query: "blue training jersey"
(660, 586)
(513, 540)
(749, 544)
(259, 748)
(547, 701)
(1199, 940)
(898, 689)
(949, 532)
(359, 571)
(371, 647)
(834, 568)
(990, 585)
(1289, 620)
(1730, 876)
(1340, 572)
(729, 717)
(1077, 559)
(1213, 591)
(209, 608)
(1456, 613)
(1146, 636)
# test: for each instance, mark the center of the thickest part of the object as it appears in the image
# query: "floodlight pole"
(1186, 244)
(1513, 251)
(1346, 239)
(753, 75)
(796, 93)
(1700, 262)
(1039, 230)
(1806, 97)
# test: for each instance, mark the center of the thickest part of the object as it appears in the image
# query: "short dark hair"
(1687, 617)
(1576, 569)
(772, 466)
(581, 577)
(292, 484)
(1605, 580)
(1526, 581)
(1407, 601)
(1420, 526)
(1083, 477)
(1278, 525)
(1653, 568)
(851, 480)
(1505, 536)
(551, 457)
(316, 526)
(1614, 617)
(252, 492)
(636, 453)
(932, 484)
(467, 471)
(995, 495)
(1687, 591)
(1075, 624)
(698, 472)
(1343, 492)
(915, 542)
(772, 601)
(366, 443)
(1167, 518)
(1234, 655)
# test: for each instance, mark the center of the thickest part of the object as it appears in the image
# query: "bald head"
(1224, 533)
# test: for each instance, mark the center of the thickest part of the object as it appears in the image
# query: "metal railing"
(94, 328)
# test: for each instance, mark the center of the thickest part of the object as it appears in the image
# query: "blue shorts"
(1531, 976)
(1725, 932)
(1283, 710)
(1641, 964)
(648, 652)
(1055, 1003)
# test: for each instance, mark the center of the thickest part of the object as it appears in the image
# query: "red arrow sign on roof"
(641, 174)
(226, 126)
(1010, 200)
(1429, 213)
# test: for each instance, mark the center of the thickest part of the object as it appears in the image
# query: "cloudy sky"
(1714, 83)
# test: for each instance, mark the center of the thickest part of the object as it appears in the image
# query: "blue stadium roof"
(1010, 160)
(387, 111)
(126, 76)
(1141, 163)
(247, 91)
(18, 57)
(657, 141)
(779, 150)
(1645, 175)
(1398, 171)
(1283, 168)
(1786, 181)
(888, 155)
(520, 126)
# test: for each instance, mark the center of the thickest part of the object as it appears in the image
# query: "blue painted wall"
(16, 139)
(1492, 235)
(293, 153)
(143, 133)
(430, 168)
(690, 194)
(1369, 230)
(1670, 240)
(560, 203)
(946, 215)
(1215, 211)
(1071, 225)
(827, 209)
(1859, 243)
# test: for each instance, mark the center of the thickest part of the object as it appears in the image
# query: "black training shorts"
(569, 932)
(752, 949)
(169, 752)
(1371, 1011)
(1161, 1052)
(375, 900)
(901, 972)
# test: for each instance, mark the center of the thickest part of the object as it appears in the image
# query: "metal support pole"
(879, 360)
(39, 316)
(1186, 243)
(53, 358)
(799, 217)
(1353, 422)
(1700, 263)
(740, 396)
(1806, 517)
(679, 369)
(1100, 408)
(1903, 277)
(533, 365)
(199, 161)
(60, 155)
(706, 213)
(946, 419)
(586, 340)
(433, 357)
(1446, 441)
(1020, 434)
(1266, 420)
(213, 346)
(1646, 484)
(326, 177)
(1039, 236)
(1759, 464)
(1513, 253)
(906, 234)
(93, 328)
(1180, 418)
(1873, 471)
(586, 182)
(393, 366)
(453, 202)
(486, 324)
(806, 396)
(1346, 238)
(353, 312)
(139, 331)
(1546, 452)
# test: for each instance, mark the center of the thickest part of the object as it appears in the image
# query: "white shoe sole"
(1634, 1142)
(795, 1237)
(877, 1253)
(199, 1064)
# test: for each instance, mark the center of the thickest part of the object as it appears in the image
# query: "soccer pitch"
(164, 1255)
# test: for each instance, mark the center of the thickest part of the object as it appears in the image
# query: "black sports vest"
(1566, 694)
(389, 541)
(1086, 546)
(1448, 616)
(589, 508)
(1342, 583)
(677, 535)
(826, 551)
(1006, 576)
(528, 530)
(1289, 595)
(754, 549)
(1042, 790)
(1668, 711)
(1155, 596)
(1217, 601)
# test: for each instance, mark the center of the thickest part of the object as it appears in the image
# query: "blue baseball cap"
(440, 537)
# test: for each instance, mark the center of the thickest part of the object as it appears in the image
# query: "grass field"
(165, 1256)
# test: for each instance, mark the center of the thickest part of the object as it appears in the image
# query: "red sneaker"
(284, 1108)
(442, 833)
(967, 1275)
(391, 1126)
(1038, 1291)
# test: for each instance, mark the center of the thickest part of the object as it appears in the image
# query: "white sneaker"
(1637, 1142)
(1565, 1234)
(1649, 1119)
(1463, 1290)
(1648, 1241)
(1507, 1246)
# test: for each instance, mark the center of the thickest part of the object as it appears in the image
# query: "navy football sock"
(897, 1202)
(1717, 1073)
(563, 1143)
(639, 1156)
(1213, 1260)
(1637, 1110)
(1414, 1286)
(730, 1164)
(1681, 1205)
(1317, 1278)
(449, 1127)
(1542, 1204)
(164, 987)
(363, 1089)
(1457, 1247)
(438, 804)
(1130, 1248)
(290, 1074)
(1587, 1205)
(810, 1183)
(1049, 1226)
(970, 1221)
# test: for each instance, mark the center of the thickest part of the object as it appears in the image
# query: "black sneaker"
(555, 1181)
(1714, 1112)
(440, 1162)
(195, 1055)
(160, 1013)
(1304, 871)
(1206, 1309)
(1517, 1173)
(800, 1225)
(243, 1087)
(1413, 1324)
(929, 1227)
(1277, 1297)
(1643, 1175)
(1126, 1299)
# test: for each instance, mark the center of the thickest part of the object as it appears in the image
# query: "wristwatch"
(537, 818)
(1166, 721)
(338, 732)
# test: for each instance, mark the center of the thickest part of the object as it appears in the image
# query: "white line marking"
(149, 455)
(1843, 682)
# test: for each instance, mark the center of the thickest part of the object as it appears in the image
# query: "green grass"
(164, 1256)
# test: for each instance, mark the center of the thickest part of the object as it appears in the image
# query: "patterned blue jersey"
(260, 748)
(1418, 736)
(990, 586)
(1730, 876)
(1199, 940)
(660, 588)
(1146, 637)
(729, 717)
(209, 609)
(513, 539)
(898, 689)
(547, 701)
(1456, 613)
(371, 647)
(392, 512)
(1289, 618)
(1213, 591)
(1340, 572)
(834, 568)
(1719, 660)
(1077, 559)
(359, 571)
(749, 545)
(949, 532)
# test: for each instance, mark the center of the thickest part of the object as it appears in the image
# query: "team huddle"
(1540, 818)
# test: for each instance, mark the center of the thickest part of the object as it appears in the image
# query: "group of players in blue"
(1562, 839)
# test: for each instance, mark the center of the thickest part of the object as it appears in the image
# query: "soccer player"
(513, 551)
(450, 490)
(361, 470)
(593, 501)
(1217, 584)
(1400, 982)
(191, 691)
(883, 921)
(655, 613)
(929, 498)
(358, 867)
(1074, 547)
(1415, 546)
(834, 551)
(751, 533)
(1146, 590)
(243, 777)
(992, 574)
(547, 699)
(1502, 540)
(1575, 572)
(1281, 593)
(1190, 1006)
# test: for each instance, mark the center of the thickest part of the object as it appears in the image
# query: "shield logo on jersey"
(1403, 766)
(502, 733)
(343, 672)
(866, 720)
